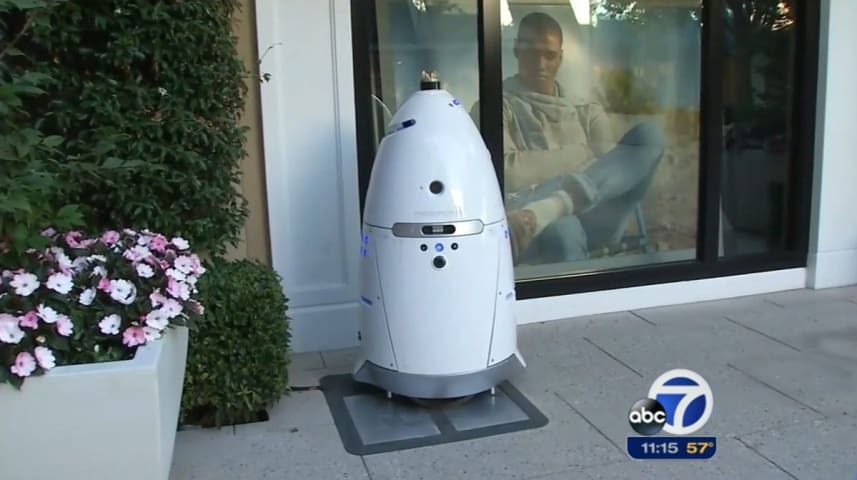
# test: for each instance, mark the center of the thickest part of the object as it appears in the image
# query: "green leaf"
(53, 141)
(59, 343)
(15, 381)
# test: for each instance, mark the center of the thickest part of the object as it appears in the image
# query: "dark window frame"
(707, 264)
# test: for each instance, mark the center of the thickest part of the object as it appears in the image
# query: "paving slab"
(823, 449)
(307, 451)
(822, 382)
(300, 367)
(706, 347)
(827, 327)
(567, 441)
(297, 410)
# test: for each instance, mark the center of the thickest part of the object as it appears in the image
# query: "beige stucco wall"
(255, 242)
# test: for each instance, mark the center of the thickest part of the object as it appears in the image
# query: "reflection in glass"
(418, 35)
(601, 113)
(758, 85)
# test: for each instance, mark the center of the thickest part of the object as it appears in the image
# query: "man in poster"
(570, 186)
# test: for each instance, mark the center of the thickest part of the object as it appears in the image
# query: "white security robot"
(437, 283)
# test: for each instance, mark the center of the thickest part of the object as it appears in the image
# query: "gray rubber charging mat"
(368, 422)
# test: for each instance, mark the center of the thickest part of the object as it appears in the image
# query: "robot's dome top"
(433, 166)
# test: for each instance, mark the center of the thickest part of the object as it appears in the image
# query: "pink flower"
(64, 326)
(29, 320)
(158, 243)
(24, 365)
(172, 308)
(110, 237)
(178, 289)
(73, 239)
(49, 232)
(133, 336)
(157, 298)
(198, 269)
(104, 284)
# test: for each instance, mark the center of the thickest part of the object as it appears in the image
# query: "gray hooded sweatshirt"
(549, 135)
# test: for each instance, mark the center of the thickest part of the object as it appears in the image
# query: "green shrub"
(238, 356)
(32, 197)
(151, 90)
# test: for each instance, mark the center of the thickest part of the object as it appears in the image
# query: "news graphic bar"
(671, 448)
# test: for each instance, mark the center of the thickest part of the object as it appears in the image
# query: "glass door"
(636, 142)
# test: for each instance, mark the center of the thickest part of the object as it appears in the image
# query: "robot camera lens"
(455, 246)
(439, 262)
(424, 247)
(436, 187)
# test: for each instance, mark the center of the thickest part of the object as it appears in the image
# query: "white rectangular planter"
(98, 421)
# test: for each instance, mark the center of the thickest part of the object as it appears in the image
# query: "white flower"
(64, 262)
(173, 273)
(99, 271)
(46, 313)
(184, 264)
(172, 308)
(109, 325)
(180, 243)
(157, 319)
(24, 284)
(87, 296)
(60, 283)
(45, 357)
(123, 291)
(162, 91)
(191, 280)
(137, 253)
(41, 339)
(151, 333)
(145, 271)
(10, 332)
(64, 326)
(79, 264)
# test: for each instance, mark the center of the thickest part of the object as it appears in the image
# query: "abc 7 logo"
(680, 402)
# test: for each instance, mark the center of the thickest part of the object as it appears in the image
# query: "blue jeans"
(605, 197)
